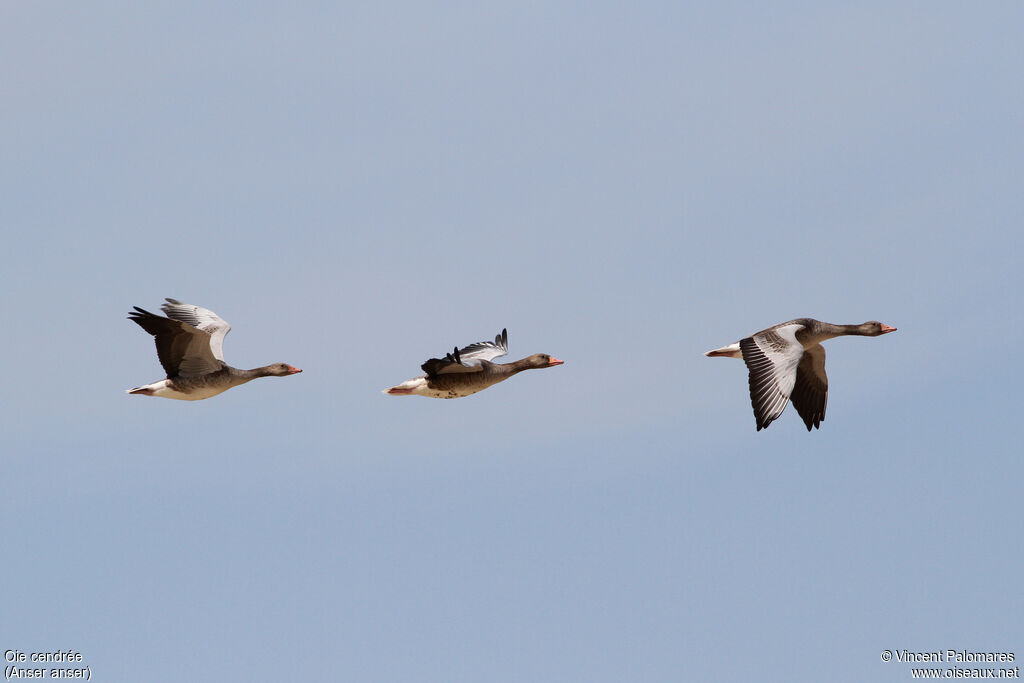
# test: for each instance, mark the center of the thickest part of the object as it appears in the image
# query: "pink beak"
(555, 361)
(887, 328)
(293, 370)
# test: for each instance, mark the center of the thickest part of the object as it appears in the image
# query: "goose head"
(542, 360)
(873, 328)
(280, 370)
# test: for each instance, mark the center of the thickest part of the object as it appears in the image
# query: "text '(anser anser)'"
(787, 362)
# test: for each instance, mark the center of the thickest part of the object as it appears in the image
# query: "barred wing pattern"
(772, 358)
(470, 358)
(202, 319)
(183, 349)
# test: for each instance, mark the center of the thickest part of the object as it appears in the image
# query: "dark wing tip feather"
(810, 395)
(433, 366)
(148, 321)
(454, 356)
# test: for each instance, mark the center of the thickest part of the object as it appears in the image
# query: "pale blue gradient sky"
(358, 188)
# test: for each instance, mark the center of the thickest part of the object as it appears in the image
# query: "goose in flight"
(189, 344)
(469, 370)
(787, 362)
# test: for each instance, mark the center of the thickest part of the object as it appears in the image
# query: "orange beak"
(555, 361)
(887, 328)
(293, 370)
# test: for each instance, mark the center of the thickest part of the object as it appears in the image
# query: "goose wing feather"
(471, 358)
(772, 357)
(183, 349)
(202, 319)
(810, 394)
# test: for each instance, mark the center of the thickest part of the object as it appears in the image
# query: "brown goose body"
(198, 387)
(787, 362)
(189, 344)
(468, 370)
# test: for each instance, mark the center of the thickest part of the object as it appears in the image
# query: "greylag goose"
(786, 361)
(189, 343)
(469, 370)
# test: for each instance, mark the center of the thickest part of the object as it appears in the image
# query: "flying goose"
(469, 370)
(786, 361)
(189, 343)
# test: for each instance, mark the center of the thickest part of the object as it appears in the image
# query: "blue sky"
(357, 188)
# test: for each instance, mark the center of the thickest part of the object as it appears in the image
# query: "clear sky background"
(358, 187)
